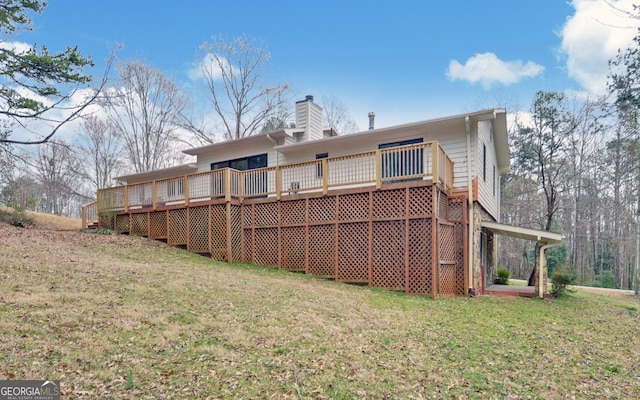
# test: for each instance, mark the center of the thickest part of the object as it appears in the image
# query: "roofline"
(481, 115)
(523, 233)
(177, 168)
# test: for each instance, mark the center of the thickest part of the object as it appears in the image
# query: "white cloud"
(592, 36)
(488, 69)
(206, 68)
(18, 47)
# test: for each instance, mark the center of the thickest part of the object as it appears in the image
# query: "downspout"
(541, 264)
(467, 122)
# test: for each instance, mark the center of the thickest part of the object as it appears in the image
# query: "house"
(412, 207)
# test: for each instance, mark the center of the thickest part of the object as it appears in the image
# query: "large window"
(402, 163)
(243, 164)
(258, 183)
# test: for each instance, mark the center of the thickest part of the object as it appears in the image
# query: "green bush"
(503, 276)
(560, 279)
(21, 219)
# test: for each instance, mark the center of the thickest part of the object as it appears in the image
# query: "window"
(402, 163)
(484, 162)
(319, 167)
(243, 164)
(258, 183)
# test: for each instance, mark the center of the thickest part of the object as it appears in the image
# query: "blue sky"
(405, 60)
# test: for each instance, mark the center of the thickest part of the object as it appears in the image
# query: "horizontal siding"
(488, 200)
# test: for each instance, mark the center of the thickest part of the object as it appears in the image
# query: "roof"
(163, 173)
(523, 233)
(498, 115)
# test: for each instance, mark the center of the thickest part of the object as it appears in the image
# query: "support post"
(278, 182)
(154, 195)
(227, 184)
(126, 198)
(325, 176)
(434, 163)
(186, 190)
(378, 169)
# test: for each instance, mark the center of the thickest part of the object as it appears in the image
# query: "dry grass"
(47, 221)
(116, 317)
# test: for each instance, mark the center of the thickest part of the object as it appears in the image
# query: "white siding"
(486, 195)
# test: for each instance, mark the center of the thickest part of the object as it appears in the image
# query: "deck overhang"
(544, 238)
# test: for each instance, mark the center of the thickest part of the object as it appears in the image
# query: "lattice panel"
(236, 233)
(293, 212)
(420, 279)
(388, 269)
(353, 252)
(389, 203)
(420, 201)
(442, 206)
(122, 223)
(456, 208)
(322, 209)
(292, 243)
(266, 247)
(198, 229)
(460, 258)
(447, 279)
(158, 225)
(247, 218)
(177, 223)
(218, 216)
(353, 207)
(322, 241)
(139, 225)
(248, 245)
(266, 214)
(447, 244)
(107, 221)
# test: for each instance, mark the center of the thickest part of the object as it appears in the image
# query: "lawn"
(125, 317)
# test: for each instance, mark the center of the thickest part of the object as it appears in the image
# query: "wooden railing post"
(154, 195)
(227, 184)
(325, 176)
(126, 198)
(278, 182)
(84, 217)
(434, 162)
(186, 190)
(241, 184)
(378, 169)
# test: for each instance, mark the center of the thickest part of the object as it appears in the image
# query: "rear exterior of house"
(398, 207)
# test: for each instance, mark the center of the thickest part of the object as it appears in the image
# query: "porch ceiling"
(523, 233)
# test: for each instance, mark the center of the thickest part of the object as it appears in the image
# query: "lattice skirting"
(399, 239)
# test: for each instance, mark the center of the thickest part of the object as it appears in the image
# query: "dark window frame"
(392, 164)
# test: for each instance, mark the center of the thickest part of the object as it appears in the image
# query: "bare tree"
(144, 110)
(337, 115)
(101, 148)
(234, 73)
(56, 171)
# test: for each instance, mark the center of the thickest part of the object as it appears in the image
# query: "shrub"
(560, 279)
(502, 276)
(21, 219)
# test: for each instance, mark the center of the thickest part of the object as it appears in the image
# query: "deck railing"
(384, 166)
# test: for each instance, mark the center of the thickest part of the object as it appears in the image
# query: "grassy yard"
(124, 317)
